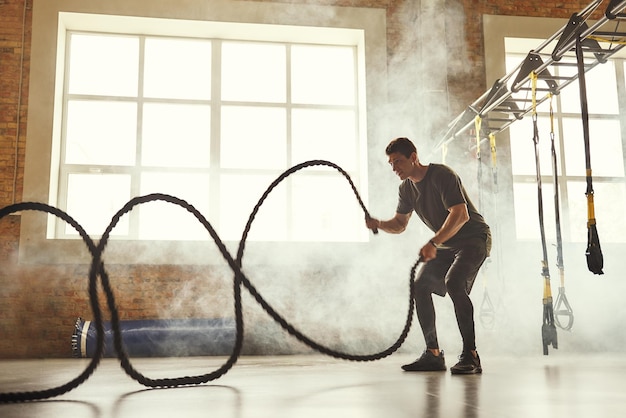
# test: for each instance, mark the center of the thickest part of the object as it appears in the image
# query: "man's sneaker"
(468, 364)
(428, 362)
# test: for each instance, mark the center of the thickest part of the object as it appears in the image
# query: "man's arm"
(395, 225)
(457, 217)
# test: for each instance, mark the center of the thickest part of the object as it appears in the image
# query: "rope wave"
(98, 274)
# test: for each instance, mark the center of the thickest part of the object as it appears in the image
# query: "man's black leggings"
(454, 272)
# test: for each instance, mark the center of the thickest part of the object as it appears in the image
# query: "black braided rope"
(93, 299)
(97, 269)
(282, 321)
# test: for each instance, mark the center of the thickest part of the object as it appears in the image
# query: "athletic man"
(452, 256)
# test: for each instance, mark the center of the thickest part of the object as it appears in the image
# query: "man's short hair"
(401, 145)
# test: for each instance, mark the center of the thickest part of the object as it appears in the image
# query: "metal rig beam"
(507, 100)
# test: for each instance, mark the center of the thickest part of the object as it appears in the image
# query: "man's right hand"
(373, 224)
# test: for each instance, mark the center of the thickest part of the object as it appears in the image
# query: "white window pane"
(605, 145)
(93, 199)
(253, 72)
(513, 60)
(176, 135)
(253, 137)
(325, 134)
(609, 202)
(323, 75)
(156, 117)
(523, 147)
(525, 197)
(238, 197)
(177, 69)
(164, 220)
(325, 209)
(601, 91)
(103, 65)
(101, 132)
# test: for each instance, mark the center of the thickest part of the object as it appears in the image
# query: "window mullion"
(216, 117)
(289, 108)
(135, 181)
(129, 96)
(59, 230)
(621, 97)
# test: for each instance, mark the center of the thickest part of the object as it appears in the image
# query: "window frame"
(216, 169)
(497, 29)
(51, 21)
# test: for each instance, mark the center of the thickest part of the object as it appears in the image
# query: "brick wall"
(40, 303)
(14, 26)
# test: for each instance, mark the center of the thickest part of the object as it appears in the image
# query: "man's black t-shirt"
(430, 198)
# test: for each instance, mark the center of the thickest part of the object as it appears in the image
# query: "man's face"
(401, 165)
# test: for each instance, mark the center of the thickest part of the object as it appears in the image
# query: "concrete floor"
(314, 386)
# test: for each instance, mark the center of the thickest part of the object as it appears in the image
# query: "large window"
(213, 121)
(207, 101)
(605, 84)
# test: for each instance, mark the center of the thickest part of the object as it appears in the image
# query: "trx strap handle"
(548, 329)
(487, 311)
(562, 307)
(595, 260)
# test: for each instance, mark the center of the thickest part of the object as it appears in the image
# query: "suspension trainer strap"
(545, 272)
(496, 215)
(595, 259)
(494, 172)
(562, 307)
(487, 312)
(479, 168)
(494, 160)
(548, 329)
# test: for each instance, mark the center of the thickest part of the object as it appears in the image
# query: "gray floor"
(315, 386)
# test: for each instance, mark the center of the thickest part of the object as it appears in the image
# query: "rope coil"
(98, 271)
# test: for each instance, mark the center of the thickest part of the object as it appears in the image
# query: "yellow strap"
(611, 41)
(547, 292)
(492, 143)
(477, 125)
(591, 216)
(533, 79)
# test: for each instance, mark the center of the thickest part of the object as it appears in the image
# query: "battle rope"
(97, 269)
(548, 329)
(93, 299)
(595, 259)
(562, 308)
